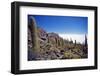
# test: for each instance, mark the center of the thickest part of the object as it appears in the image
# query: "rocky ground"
(51, 47)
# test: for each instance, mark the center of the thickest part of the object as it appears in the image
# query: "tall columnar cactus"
(56, 42)
(48, 40)
(62, 42)
(85, 47)
(75, 42)
(85, 41)
(34, 34)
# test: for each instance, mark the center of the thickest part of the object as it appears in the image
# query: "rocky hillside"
(48, 46)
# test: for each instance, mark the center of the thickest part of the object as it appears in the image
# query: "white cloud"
(78, 37)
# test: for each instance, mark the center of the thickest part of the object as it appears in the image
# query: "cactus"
(85, 41)
(34, 35)
(85, 48)
(75, 42)
(56, 42)
(62, 42)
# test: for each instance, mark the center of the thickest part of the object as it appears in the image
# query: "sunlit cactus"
(75, 42)
(85, 41)
(59, 43)
(34, 34)
(62, 43)
(71, 41)
(56, 39)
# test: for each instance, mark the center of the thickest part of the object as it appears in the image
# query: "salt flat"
(80, 38)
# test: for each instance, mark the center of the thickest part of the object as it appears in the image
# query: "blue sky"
(62, 24)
